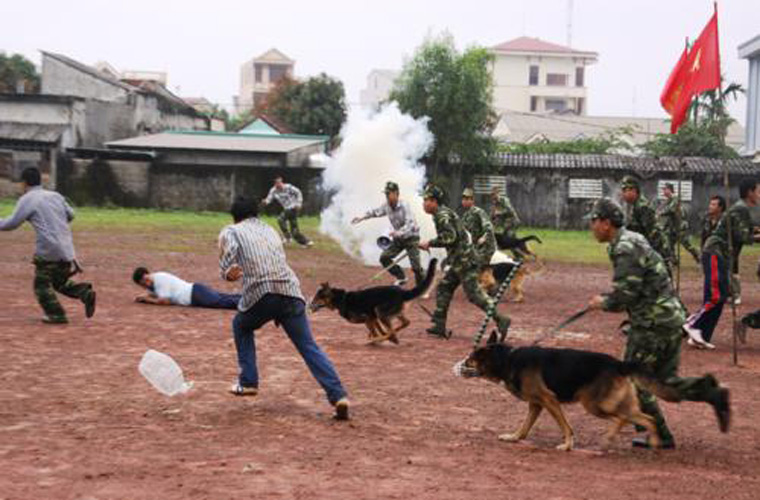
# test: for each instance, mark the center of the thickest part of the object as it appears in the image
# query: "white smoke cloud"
(376, 147)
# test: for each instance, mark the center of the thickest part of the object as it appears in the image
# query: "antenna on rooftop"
(569, 23)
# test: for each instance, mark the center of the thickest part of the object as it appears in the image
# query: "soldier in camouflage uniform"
(672, 218)
(715, 263)
(461, 263)
(291, 200)
(504, 219)
(642, 288)
(405, 236)
(54, 256)
(478, 224)
(641, 218)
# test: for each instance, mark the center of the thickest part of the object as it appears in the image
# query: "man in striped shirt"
(290, 199)
(250, 249)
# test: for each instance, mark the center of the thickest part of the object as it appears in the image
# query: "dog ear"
(325, 285)
(493, 338)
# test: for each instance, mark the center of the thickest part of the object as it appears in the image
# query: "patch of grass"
(558, 246)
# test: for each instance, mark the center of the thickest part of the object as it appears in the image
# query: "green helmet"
(433, 191)
(390, 187)
(630, 181)
(468, 193)
(605, 208)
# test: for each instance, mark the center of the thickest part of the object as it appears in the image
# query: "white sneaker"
(695, 334)
(400, 282)
(737, 301)
(690, 342)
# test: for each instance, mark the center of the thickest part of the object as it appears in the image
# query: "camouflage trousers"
(399, 245)
(659, 350)
(288, 222)
(51, 277)
(468, 278)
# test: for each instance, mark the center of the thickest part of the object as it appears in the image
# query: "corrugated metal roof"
(212, 141)
(34, 132)
(528, 44)
(626, 163)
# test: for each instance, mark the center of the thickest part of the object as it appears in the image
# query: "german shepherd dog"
(376, 307)
(518, 246)
(498, 271)
(546, 378)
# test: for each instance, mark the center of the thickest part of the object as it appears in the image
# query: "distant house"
(379, 85)
(535, 76)
(195, 170)
(265, 124)
(522, 127)
(259, 76)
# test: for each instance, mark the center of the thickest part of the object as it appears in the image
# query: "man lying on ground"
(165, 289)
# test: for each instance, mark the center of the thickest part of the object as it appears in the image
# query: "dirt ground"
(77, 420)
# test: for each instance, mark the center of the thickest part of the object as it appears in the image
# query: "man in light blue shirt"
(54, 257)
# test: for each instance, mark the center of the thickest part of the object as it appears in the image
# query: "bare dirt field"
(77, 420)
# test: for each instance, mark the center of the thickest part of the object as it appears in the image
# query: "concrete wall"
(62, 79)
(49, 111)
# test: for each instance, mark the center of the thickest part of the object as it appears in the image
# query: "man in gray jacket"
(54, 258)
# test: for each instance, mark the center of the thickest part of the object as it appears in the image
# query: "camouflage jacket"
(289, 197)
(504, 216)
(669, 218)
(741, 229)
(641, 284)
(641, 218)
(452, 236)
(708, 226)
(477, 223)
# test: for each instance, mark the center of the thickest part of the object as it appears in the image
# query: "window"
(585, 188)
(483, 184)
(556, 105)
(579, 76)
(579, 103)
(686, 188)
(533, 77)
(257, 70)
(556, 80)
(277, 72)
(533, 103)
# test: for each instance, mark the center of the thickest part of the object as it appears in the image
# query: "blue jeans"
(204, 296)
(290, 313)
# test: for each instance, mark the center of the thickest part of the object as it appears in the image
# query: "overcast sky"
(201, 44)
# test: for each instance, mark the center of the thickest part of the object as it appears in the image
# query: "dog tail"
(421, 288)
(646, 380)
(532, 237)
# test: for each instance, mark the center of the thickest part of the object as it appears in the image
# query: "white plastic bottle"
(163, 373)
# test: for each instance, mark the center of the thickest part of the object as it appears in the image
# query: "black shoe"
(341, 409)
(503, 327)
(439, 332)
(642, 442)
(722, 406)
(89, 304)
(741, 331)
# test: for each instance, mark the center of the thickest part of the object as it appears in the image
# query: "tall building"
(750, 50)
(379, 85)
(534, 76)
(259, 75)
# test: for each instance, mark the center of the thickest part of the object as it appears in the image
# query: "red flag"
(697, 73)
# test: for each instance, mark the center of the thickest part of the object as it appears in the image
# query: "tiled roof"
(527, 44)
(218, 141)
(625, 163)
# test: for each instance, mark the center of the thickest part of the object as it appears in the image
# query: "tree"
(315, 106)
(611, 142)
(15, 70)
(704, 134)
(455, 92)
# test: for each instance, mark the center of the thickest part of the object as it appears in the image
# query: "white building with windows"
(534, 76)
(750, 50)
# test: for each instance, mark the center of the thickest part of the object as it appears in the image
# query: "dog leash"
(576, 316)
(398, 259)
(496, 299)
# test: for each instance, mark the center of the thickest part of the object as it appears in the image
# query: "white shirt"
(168, 286)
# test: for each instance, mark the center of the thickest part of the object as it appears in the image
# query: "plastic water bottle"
(163, 373)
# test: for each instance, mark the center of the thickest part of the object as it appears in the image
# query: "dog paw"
(567, 446)
(510, 438)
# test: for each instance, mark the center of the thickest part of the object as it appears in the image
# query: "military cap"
(605, 208)
(670, 185)
(468, 193)
(433, 191)
(390, 187)
(629, 181)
